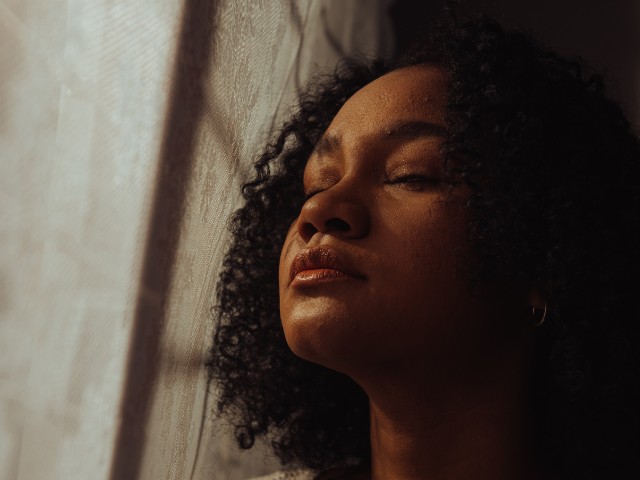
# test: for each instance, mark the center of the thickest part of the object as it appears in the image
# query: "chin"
(326, 343)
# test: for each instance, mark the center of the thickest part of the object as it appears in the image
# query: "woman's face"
(380, 209)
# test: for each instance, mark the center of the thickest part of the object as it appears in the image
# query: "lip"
(321, 264)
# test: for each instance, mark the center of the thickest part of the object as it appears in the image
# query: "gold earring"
(544, 315)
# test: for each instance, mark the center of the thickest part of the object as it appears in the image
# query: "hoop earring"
(544, 315)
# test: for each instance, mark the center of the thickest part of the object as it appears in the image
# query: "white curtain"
(83, 94)
(126, 129)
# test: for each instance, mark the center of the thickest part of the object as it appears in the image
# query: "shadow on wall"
(605, 34)
(176, 161)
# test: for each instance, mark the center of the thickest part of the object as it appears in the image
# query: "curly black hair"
(554, 168)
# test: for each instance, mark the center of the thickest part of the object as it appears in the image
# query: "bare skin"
(445, 369)
(457, 430)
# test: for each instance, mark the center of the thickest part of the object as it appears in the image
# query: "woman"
(435, 272)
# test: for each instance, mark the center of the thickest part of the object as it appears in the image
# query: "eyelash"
(414, 181)
(402, 179)
(405, 178)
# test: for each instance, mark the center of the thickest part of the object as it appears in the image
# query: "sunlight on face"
(379, 212)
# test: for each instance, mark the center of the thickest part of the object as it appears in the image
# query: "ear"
(536, 297)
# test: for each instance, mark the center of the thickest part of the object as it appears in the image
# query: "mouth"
(321, 265)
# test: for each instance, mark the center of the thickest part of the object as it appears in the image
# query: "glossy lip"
(320, 264)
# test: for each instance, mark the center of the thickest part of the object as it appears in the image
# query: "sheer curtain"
(261, 53)
(83, 95)
(126, 129)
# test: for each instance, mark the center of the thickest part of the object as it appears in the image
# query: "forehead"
(417, 93)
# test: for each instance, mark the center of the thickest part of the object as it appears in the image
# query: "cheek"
(438, 316)
(425, 301)
(430, 243)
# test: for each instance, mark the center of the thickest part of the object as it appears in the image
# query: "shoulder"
(298, 474)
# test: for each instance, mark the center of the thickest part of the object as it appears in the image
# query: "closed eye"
(415, 180)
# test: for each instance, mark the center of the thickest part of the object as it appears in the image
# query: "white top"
(298, 474)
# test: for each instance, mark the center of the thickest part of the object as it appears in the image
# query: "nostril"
(308, 230)
(338, 224)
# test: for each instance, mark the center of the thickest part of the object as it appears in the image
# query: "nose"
(334, 212)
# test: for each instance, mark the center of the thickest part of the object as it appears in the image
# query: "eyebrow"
(407, 130)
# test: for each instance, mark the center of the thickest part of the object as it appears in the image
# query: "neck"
(477, 429)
